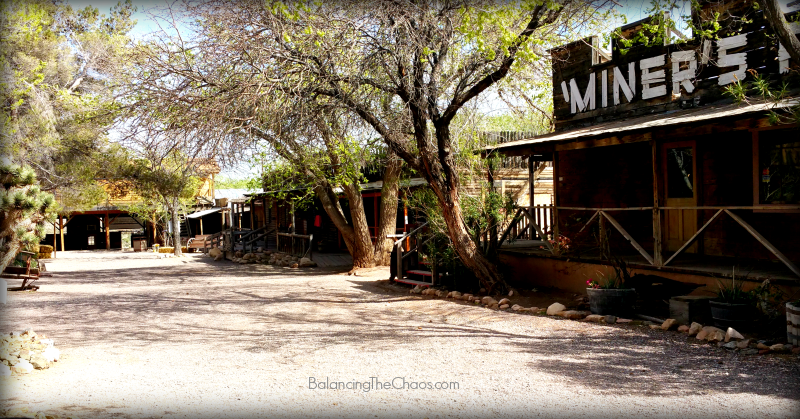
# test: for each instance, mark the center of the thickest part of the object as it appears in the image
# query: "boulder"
(573, 314)
(467, 297)
(716, 336)
(624, 320)
(307, 263)
(456, 295)
(5, 370)
(294, 265)
(214, 252)
(695, 328)
(597, 318)
(503, 306)
(39, 362)
(610, 319)
(655, 326)
(732, 334)
(669, 324)
(761, 346)
(25, 354)
(22, 367)
(778, 347)
(238, 254)
(516, 307)
(504, 301)
(219, 257)
(702, 335)
(729, 345)
(51, 354)
(749, 351)
(743, 344)
(440, 293)
(488, 300)
(683, 328)
(555, 308)
(493, 306)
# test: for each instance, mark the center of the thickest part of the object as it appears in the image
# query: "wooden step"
(420, 272)
(413, 282)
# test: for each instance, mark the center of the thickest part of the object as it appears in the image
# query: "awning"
(644, 123)
(203, 213)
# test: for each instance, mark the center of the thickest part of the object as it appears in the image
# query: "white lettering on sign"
(604, 95)
(649, 78)
(628, 88)
(729, 60)
(683, 77)
(564, 91)
(578, 103)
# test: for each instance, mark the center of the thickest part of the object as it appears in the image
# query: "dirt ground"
(143, 337)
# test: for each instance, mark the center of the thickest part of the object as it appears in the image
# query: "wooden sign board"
(590, 87)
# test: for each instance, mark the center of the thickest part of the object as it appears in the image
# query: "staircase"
(412, 267)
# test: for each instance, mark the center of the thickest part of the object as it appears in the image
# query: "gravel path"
(188, 337)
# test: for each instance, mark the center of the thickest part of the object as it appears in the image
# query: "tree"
(777, 20)
(405, 68)
(197, 93)
(24, 209)
(57, 68)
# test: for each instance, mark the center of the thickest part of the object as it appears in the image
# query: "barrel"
(793, 323)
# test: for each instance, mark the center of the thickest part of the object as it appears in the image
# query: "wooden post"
(532, 191)
(108, 232)
(55, 247)
(61, 231)
(266, 220)
(658, 258)
(201, 225)
(603, 239)
(252, 214)
(556, 228)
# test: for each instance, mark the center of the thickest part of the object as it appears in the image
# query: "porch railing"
(602, 215)
(402, 254)
(296, 244)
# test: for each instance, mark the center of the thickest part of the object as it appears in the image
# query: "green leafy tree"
(24, 210)
(58, 70)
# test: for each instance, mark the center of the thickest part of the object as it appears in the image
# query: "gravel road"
(187, 337)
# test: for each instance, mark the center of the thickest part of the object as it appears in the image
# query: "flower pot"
(737, 316)
(793, 323)
(617, 301)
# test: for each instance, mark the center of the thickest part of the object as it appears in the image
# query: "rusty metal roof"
(645, 123)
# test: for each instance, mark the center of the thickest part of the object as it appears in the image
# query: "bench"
(27, 274)
(198, 242)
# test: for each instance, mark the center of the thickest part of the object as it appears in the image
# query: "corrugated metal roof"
(685, 116)
(204, 212)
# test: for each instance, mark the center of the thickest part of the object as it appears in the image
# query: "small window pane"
(680, 176)
(779, 169)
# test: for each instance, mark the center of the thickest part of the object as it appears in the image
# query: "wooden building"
(653, 163)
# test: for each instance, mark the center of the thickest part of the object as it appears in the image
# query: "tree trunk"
(364, 255)
(11, 250)
(469, 253)
(388, 213)
(785, 34)
(176, 230)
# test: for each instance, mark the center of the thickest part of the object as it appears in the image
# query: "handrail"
(306, 251)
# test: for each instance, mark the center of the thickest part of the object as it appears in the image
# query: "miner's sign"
(590, 87)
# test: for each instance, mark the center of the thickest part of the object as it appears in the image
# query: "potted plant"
(733, 306)
(609, 295)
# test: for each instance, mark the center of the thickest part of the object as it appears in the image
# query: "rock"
(669, 324)
(573, 314)
(456, 295)
(716, 336)
(761, 346)
(516, 307)
(51, 354)
(214, 252)
(22, 367)
(440, 293)
(488, 300)
(493, 306)
(504, 301)
(729, 345)
(749, 351)
(5, 370)
(503, 306)
(238, 254)
(655, 326)
(636, 323)
(796, 351)
(743, 344)
(683, 328)
(695, 328)
(623, 321)
(778, 347)
(764, 351)
(647, 323)
(597, 318)
(511, 293)
(555, 308)
(25, 354)
(39, 362)
(219, 257)
(610, 319)
(294, 265)
(307, 263)
(732, 334)
(467, 297)
(702, 335)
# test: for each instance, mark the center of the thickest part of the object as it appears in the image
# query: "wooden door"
(679, 171)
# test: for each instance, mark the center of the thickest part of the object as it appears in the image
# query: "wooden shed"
(653, 163)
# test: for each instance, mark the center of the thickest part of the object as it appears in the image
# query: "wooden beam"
(694, 237)
(539, 230)
(61, 230)
(658, 257)
(765, 242)
(594, 216)
(531, 188)
(627, 236)
(55, 247)
(108, 233)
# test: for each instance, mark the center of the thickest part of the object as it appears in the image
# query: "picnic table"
(26, 273)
